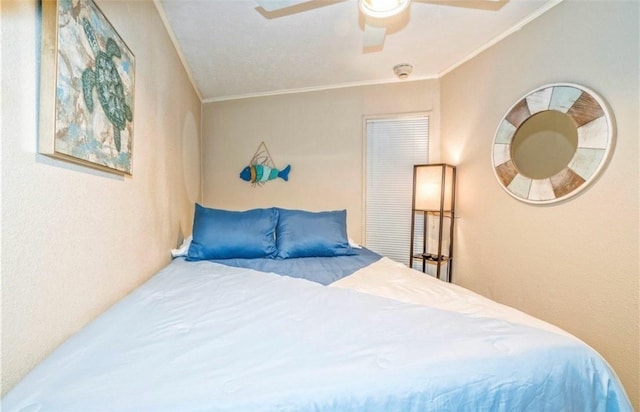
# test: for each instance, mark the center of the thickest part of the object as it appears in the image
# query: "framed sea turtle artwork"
(87, 88)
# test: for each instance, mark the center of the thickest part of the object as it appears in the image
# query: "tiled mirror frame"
(595, 128)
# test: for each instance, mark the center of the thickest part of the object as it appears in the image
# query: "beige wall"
(574, 264)
(75, 240)
(318, 133)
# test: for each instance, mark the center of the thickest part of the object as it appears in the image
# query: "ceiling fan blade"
(492, 5)
(373, 35)
(273, 5)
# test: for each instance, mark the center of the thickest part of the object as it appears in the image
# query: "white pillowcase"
(183, 249)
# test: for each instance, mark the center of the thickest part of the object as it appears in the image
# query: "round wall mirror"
(552, 143)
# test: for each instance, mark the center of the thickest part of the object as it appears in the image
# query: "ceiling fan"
(377, 13)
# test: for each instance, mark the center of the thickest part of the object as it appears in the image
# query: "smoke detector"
(402, 70)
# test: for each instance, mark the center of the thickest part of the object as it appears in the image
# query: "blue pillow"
(224, 234)
(312, 234)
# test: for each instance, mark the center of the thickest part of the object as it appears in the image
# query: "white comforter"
(200, 336)
(390, 279)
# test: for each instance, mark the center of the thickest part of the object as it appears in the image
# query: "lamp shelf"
(446, 213)
(433, 209)
(431, 258)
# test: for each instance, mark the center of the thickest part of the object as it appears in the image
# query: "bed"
(217, 335)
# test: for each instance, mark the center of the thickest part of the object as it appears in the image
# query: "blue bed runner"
(323, 270)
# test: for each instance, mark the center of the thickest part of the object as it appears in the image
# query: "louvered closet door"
(393, 146)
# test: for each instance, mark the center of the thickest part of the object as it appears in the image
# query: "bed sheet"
(323, 270)
(201, 336)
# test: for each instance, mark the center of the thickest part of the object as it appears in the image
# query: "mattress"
(201, 336)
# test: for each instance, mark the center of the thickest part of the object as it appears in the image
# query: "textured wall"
(318, 133)
(574, 264)
(75, 240)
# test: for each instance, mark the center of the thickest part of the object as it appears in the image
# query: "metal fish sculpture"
(259, 174)
(261, 168)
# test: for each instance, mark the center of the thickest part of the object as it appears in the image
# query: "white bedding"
(201, 336)
(390, 279)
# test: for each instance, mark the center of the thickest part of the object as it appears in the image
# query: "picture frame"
(87, 88)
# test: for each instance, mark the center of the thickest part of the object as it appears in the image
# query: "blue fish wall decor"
(262, 169)
(259, 174)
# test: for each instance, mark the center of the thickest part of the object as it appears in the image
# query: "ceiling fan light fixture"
(381, 9)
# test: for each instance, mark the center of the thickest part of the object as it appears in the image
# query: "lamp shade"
(434, 186)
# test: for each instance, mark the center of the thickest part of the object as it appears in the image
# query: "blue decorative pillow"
(312, 234)
(224, 234)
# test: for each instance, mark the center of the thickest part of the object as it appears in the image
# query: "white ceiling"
(233, 48)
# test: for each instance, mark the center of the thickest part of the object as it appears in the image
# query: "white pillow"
(183, 249)
(353, 244)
